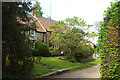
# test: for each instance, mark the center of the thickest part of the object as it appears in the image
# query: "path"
(91, 72)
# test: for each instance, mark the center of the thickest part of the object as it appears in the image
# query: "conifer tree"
(16, 52)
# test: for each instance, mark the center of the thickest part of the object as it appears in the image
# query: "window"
(32, 32)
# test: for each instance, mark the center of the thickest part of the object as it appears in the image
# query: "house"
(34, 29)
(36, 33)
(38, 29)
(45, 22)
(42, 31)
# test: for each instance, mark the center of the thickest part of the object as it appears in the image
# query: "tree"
(68, 36)
(60, 28)
(38, 9)
(16, 51)
(75, 21)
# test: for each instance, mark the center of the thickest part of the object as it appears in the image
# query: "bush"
(92, 50)
(59, 58)
(41, 49)
(108, 43)
(70, 58)
(35, 52)
(83, 51)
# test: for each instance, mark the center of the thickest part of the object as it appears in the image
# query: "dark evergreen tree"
(16, 53)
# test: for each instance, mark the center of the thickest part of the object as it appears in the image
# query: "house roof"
(46, 22)
(42, 24)
(38, 26)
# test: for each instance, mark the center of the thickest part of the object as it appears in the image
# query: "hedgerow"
(109, 43)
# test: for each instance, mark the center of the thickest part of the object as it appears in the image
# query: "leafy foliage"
(109, 43)
(41, 49)
(38, 9)
(15, 45)
(69, 37)
(70, 58)
(83, 51)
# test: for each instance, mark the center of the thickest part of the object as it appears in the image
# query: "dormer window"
(32, 32)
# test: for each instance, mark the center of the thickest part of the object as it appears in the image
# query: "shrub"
(59, 58)
(83, 51)
(35, 52)
(108, 43)
(70, 58)
(92, 50)
(41, 49)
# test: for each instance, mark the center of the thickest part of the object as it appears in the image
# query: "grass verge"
(57, 63)
(60, 64)
(39, 70)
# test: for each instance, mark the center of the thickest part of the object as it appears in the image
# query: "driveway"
(91, 72)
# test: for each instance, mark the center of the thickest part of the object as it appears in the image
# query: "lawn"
(39, 70)
(54, 62)
(59, 64)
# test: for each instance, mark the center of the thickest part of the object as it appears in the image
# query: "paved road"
(91, 72)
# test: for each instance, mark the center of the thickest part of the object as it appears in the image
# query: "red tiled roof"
(46, 22)
(38, 26)
(42, 24)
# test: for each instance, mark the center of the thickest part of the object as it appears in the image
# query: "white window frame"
(32, 32)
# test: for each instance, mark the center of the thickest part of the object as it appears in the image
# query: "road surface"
(91, 72)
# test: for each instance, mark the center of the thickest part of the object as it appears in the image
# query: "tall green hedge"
(109, 43)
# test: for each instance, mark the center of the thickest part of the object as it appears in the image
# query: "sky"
(89, 10)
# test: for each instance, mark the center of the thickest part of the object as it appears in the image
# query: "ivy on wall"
(109, 43)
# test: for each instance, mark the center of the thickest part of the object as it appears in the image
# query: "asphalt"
(91, 72)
